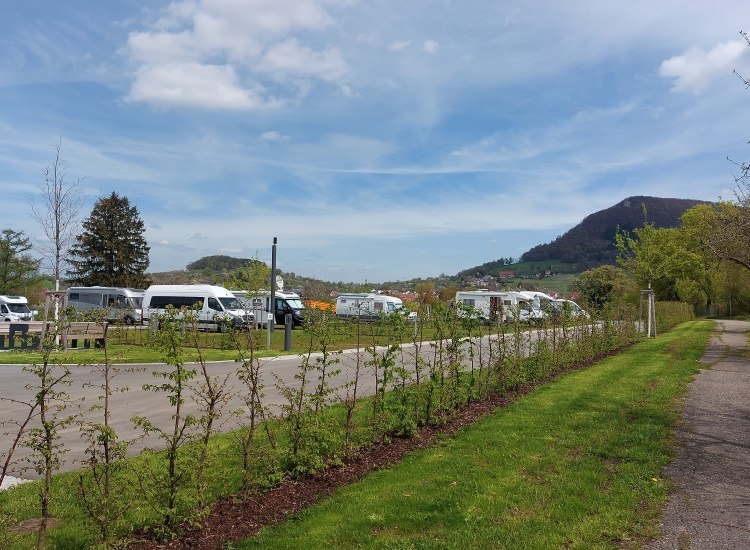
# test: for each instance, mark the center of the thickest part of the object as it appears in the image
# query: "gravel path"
(711, 506)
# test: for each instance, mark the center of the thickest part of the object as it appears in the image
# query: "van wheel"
(129, 320)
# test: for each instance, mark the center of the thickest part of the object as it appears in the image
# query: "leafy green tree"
(700, 270)
(603, 285)
(651, 255)
(251, 277)
(17, 270)
(111, 251)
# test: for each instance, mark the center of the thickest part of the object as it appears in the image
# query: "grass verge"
(575, 464)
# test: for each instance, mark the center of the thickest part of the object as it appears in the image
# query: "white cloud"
(430, 46)
(193, 84)
(213, 53)
(696, 68)
(273, 135)
(289, 58)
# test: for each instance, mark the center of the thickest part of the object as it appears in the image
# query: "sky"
(378, 140)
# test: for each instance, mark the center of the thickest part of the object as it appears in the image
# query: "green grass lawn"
(131, 344)
(575, 464)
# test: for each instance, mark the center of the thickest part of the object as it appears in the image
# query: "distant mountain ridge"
(591, 243)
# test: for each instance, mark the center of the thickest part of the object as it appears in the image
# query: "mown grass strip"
(575, 464)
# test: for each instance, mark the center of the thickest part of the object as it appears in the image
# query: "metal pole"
(272, 301)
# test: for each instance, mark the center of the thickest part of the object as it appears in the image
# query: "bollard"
(288, 325)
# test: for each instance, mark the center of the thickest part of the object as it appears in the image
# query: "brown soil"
(235, 518)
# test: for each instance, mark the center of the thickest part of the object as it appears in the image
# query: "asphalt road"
(83, 392)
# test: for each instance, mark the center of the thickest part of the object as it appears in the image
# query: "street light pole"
(272, 303)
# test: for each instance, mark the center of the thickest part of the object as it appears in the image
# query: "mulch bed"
(235, 518)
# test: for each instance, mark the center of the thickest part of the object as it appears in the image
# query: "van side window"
(91, 298)
(4, 308)
(213, 303)
(161, 302)
(74, 296)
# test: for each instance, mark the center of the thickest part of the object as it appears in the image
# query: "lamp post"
(272, 302)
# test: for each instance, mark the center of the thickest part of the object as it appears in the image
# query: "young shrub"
(172, 493)
(52, 403)
(100, 483)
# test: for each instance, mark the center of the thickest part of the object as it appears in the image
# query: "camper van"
(286, 302)
(494, 306)
(540, 305)
(568, 309)
(15, 308)
(121, 304)
(367, 306)
(216, 304)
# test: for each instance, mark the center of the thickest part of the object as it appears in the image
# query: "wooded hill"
(591, 243)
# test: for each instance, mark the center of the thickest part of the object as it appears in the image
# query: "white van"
(217, 304)
(121, 304)
(15, 308)
(367, 306)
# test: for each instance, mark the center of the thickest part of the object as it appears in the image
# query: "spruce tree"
(17, 269)
(111, 251)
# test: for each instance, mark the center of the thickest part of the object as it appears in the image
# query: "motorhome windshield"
(230, 302)
(137, 301)
(294, 303)
(19, 308)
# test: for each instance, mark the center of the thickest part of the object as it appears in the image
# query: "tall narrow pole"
(272, 303)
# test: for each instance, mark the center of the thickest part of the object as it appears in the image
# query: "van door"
(282, 308)
(211, 310)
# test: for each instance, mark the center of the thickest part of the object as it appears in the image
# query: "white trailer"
(366, 306)
(15, 308)
(121, 304)
(214, 304)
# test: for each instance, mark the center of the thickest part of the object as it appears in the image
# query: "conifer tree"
(17, 269)
(111, 251)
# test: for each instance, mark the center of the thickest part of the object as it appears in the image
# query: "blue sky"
(378, 140)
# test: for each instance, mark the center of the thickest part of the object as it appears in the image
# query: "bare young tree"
(57, 213)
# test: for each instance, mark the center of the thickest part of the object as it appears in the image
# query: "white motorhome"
(121, 304)
(541, 304)
(495, 306)
(15, 308)
(568, 308)
(286, 302)
(366, 306)
(215, 304)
